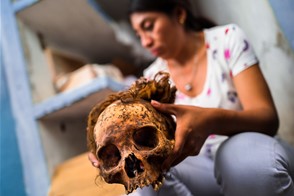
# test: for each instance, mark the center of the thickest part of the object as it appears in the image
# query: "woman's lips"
(155, 52)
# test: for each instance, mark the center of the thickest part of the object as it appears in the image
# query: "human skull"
(131, 139)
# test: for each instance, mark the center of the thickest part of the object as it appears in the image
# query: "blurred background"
(61, 57)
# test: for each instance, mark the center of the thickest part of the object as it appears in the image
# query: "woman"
(221, 93)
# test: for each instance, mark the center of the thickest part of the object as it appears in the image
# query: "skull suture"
(129, 137)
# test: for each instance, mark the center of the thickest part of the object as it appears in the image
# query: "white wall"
(258, 20)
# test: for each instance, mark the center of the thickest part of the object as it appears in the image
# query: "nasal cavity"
(133, 166)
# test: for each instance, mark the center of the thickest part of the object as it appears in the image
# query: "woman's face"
(158, 32)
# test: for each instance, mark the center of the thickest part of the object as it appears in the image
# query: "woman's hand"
(193, 128)
(92, 158)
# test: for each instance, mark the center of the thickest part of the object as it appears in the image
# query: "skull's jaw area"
(156, 183)
(137, 169)
(134, 174)
(141, 175)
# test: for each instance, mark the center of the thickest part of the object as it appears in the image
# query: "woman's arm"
(195, 124)
(259, 113)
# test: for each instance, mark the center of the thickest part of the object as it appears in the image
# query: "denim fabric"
(255, 164)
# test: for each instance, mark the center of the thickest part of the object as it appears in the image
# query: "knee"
(242, 154)
(243, 147)
(246, 146)
(254, 161)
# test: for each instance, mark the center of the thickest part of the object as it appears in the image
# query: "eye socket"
(109, 155)
(146, 138)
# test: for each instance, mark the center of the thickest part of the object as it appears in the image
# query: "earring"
(181, 20)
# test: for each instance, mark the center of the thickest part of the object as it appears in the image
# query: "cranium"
(129, 137)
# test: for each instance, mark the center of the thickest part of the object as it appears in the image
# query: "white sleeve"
(238, 52)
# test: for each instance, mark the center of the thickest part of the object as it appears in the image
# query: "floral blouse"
(228, 54)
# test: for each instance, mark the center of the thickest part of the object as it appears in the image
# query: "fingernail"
(95, 164)
(155, 103)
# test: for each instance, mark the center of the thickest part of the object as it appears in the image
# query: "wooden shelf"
(77, 102)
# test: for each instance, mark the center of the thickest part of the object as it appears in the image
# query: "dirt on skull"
(129, 137)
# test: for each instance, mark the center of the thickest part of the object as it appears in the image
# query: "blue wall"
(11, 181)
(284, 11)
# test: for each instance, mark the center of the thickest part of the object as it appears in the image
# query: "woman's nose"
(146, 41)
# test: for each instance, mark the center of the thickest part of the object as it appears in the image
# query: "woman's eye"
(148, 26)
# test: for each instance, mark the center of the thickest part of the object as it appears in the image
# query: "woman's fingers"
(92, 158)
(163, 107)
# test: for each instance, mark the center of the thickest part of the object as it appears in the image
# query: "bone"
(155, 186)
(121, 116)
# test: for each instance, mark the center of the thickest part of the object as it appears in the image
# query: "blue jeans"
(246, 164)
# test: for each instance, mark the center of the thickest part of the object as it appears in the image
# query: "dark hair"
(168, 6)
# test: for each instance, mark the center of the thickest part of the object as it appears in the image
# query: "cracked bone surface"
(129, 137)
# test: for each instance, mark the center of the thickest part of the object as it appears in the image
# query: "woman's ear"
(181, 15)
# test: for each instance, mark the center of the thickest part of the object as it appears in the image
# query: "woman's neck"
(191, 45)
